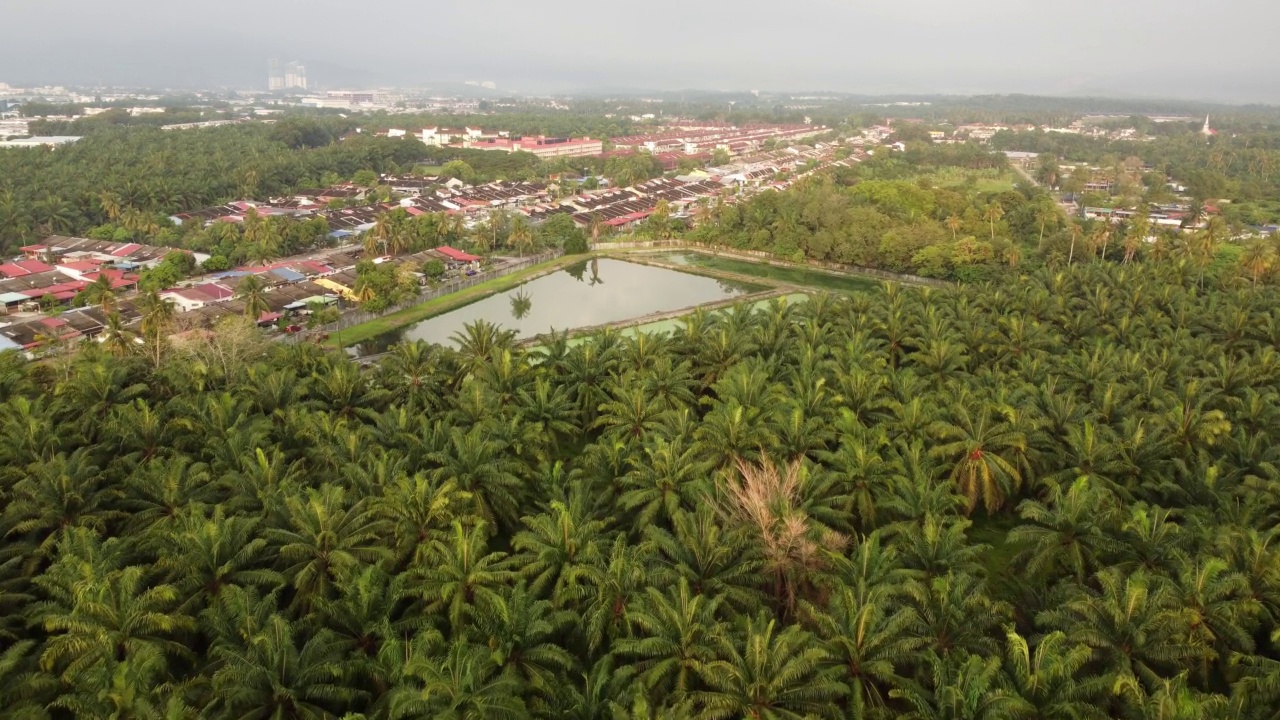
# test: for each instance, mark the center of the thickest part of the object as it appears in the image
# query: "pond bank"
(658, 317)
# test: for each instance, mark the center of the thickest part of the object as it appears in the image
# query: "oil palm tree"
(206, 553)
(1133, 622)
(1224, 614)
(103, 615)
(954, 614)
(460, 682)
(418, 510)
(617, 579)
(712, 557)
(477, 464)
(521, 631)
(870, 640)
(463, 578)
(769, 672)
(982, 448)
(370, 631)
(675, 640)
(557, 548)
(481, 341)
(273, 673)
(159, 492)
(325, 541)
(1053, 678)
(1069, 533)
(970, 688)
(60, 495)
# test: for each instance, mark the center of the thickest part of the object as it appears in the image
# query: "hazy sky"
(1171, 48)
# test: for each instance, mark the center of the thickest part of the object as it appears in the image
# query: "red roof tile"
(456, 254)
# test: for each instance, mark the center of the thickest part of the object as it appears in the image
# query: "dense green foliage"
(1242, 168)
(156, 173)
(894, 224)
(1051, 499)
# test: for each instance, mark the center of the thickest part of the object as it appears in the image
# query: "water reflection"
(521, 304)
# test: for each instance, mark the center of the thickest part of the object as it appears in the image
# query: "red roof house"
(23, 267)
(456, 255)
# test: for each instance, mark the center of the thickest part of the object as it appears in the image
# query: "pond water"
(589, 293)
(794, 275)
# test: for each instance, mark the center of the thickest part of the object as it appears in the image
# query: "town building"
(40, 141)
(543, 147)
(275, 75)
(295, 76)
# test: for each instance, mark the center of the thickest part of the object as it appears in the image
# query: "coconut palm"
(1255, 260)
(993, 212)
(118, 339)
(101, 291)
(252, 291)
(522, 236)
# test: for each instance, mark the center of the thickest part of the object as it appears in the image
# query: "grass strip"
(800, 277)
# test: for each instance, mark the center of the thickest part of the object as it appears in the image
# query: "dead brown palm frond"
(769, 500)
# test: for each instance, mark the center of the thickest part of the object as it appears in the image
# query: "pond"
(793, 275)
(591, 292)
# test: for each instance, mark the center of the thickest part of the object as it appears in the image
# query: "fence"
(770, 259)
(352, 318)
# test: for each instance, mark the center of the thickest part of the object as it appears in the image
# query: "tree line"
(154, 174)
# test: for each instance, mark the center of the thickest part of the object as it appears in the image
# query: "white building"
(295, 75)
(45, 141)
(13, 128)
(275, 74)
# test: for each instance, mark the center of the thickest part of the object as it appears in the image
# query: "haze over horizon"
(1142, 48)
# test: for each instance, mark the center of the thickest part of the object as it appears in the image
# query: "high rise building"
(275, 75)
(295, 75)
